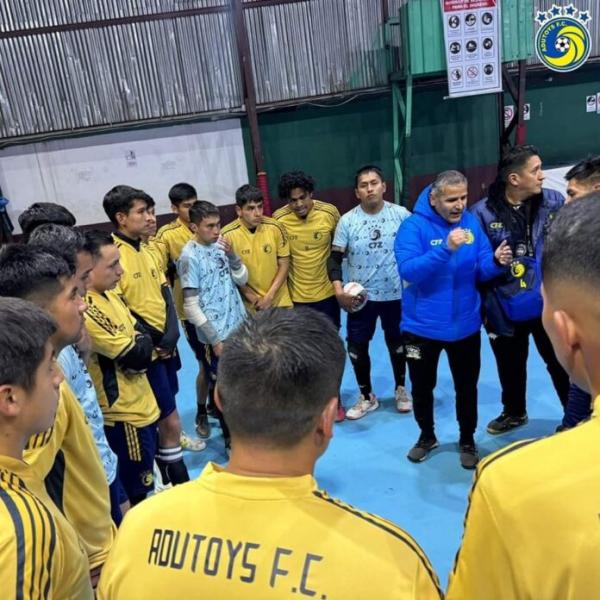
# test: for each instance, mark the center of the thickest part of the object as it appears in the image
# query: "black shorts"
(162, 375)
(195, 344)
(361, 324)
(135, 447)
(328, 307)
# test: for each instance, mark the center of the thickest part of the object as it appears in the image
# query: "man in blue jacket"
(442, 253)
(518, 211)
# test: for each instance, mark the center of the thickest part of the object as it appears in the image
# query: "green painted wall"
(330, 143)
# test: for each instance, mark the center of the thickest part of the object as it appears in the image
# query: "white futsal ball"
(356, 289)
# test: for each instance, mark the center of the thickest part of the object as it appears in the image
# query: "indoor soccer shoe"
(362, 407)
(503, 423)
(403, 400)
(420, 451)
(191, 444)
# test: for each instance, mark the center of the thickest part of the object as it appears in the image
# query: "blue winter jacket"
(440, 300)
(515, 295)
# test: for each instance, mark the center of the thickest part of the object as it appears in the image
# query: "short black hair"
(59, 239)
(292, 180)
(248, 193)
(40, 213)
(201, 210)
(367, 169)
(32, 273)
(514, 160)
(25, 331)
(276, 374)
(95, 239)
(572, 246)
(181, 192)
(121, 199)
(587, 169)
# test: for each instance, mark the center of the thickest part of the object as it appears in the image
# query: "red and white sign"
(472, 39)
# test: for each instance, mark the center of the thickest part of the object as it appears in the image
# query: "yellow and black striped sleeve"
(28, 540)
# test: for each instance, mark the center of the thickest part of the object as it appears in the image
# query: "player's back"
(532, 529)
(40, 553)
(227, 536)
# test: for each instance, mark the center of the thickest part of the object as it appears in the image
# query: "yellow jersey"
(532, 530)
(67, 469)
(310, 245)
(123, 396)
(141, 284)
(259, 251)
(267, 538)
(167, 245)
(40, 553)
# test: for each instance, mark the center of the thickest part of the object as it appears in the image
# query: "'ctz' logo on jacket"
(437, 242)
(375, 236)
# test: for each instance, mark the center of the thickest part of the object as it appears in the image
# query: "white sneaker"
(403, 400)
(362, 407)
(190, 443)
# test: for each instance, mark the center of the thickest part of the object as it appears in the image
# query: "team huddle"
(89, 362)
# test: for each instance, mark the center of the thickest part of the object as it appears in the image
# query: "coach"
(442, 253)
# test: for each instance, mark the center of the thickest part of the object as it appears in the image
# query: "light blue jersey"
(81, 385)
(369, 244)
(206, 268)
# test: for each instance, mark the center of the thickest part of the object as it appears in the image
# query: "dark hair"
(248, 193)
(277, 372)
(572, 246)
(96, 239)
(29, 272)
(368, 169)
(121, 198)
(58, 239)
(25, 331)
(41, 213)
(201, 210)
(586, 169)
(181, 192)
(292, 180)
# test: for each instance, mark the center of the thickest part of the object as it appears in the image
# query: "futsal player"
(148, 296)
(262, 245)
(210, 272)
(261, 527)
(531, 529)
(40, 552)
(309, 225)
(121, 354)
(64, 458)
(169, 242)
(365, 235)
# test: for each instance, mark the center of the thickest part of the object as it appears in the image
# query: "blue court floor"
(366, 462)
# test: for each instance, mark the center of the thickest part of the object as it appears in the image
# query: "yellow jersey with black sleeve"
(259, 251)
(145, 290)
(40, 553)
(122, 395)
(67, 469)
(532, 529)
(260, 537)
(168, 244)
(310, 245)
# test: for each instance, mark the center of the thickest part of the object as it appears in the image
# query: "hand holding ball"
(358, 294)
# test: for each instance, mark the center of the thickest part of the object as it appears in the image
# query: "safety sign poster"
(472, 39)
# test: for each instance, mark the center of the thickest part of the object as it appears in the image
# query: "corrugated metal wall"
(121, 61)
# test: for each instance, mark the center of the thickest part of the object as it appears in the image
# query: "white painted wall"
(78, 172)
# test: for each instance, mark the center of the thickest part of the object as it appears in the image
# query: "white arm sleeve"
(240, 275)
(195, 315)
